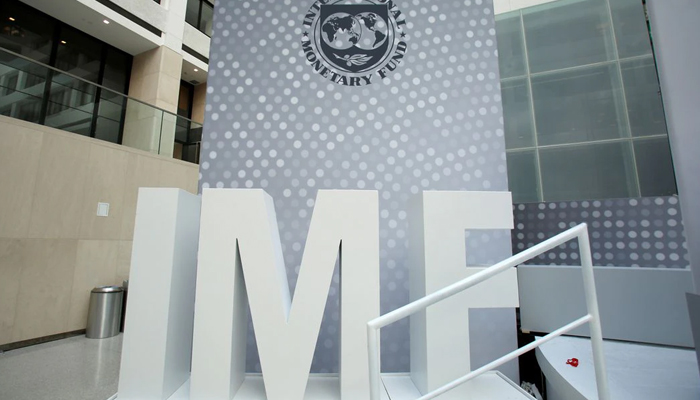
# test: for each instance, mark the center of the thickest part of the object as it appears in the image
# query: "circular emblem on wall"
(354, 43)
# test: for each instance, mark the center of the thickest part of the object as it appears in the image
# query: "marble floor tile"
(71, 369)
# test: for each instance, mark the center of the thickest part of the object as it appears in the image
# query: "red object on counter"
(573, 362)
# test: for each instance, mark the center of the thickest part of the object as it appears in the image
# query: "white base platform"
(489, 386)
(635, 371)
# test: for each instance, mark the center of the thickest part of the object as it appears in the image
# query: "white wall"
(675, 31)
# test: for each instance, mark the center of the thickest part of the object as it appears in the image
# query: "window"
(38, 94)
(200, 14)
(582, 110)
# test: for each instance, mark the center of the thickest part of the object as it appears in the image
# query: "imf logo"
(350, 43)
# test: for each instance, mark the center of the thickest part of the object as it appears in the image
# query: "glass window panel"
(644, 105)
(511, 48)
(182, 129)
(578, 105)
(590, 171)
(655, 167)
(517, 113)
(523, 180)
(117, 70)
(71, 119)
(206, 21)
(80, 55)
(631, 28)
(25, 31)
(112, 106)
(108, 130)
(565, 33)
(192, 12)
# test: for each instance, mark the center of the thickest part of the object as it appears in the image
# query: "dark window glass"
(192, 13)
(79, 55)
(25, 31)
(511, 47)
(517, 113)
(117, 71)
(588, 171)
(184, 104)
(200, 14)
(108, 129)
(206, 20)
(523, 176)
(655, 167)
(579, 105)
(644, 105)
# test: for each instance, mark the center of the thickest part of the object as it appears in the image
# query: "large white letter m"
(240, 262)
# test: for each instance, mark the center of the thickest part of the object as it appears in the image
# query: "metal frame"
(579, 232)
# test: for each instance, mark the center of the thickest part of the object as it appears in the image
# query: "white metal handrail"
(593, 317)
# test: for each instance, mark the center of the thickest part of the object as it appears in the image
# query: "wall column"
(674, 26)
(155, 79)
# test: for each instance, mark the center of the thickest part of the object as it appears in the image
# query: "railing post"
(374, 362)
(592, 305)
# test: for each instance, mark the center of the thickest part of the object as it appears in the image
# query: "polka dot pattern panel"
(645, 232)
(435, 123)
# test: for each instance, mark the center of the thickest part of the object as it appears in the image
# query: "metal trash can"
(104, 315)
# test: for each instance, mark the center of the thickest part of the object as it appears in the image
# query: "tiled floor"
(71, 369)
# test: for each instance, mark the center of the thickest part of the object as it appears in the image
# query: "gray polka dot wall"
(435, 123)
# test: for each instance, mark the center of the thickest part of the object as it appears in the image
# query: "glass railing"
(35, 92)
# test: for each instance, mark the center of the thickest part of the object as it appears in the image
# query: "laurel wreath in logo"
(357, 59)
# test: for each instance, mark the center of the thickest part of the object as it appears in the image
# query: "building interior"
(584, 110)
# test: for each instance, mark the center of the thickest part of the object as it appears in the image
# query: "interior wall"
(674, 30)
(435, 123)
(53, 247)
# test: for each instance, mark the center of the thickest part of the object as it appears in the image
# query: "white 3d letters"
(240, 262)
(440, 335)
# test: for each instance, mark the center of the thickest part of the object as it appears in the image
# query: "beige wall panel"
(124, 260)
(58, 197)
(145, 63)
(179, 175)
(96, 265)
(19, 154)
(105, 183)
(171, 63)
(11, 261)
(142, 171)
(45, 287)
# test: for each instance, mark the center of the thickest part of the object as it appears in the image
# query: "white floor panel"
(398, 387)
(635, 371)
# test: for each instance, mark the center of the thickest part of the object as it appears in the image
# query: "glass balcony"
(37, 93)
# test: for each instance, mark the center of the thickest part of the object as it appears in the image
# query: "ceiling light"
(63, 42)
(196, 70)
(12, 18)
(106, 21)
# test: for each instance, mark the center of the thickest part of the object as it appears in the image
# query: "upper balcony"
(38, 93)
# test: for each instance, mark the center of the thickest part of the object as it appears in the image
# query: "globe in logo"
(366, 30)
(351, 43)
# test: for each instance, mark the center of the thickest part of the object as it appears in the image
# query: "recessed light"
(63, 42)
(196, 70)
(106, 21)
(11, 18)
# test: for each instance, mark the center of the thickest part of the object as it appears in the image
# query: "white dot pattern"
(645, 232)
(433, 124)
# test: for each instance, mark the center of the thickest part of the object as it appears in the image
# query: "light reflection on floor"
(71, 369)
